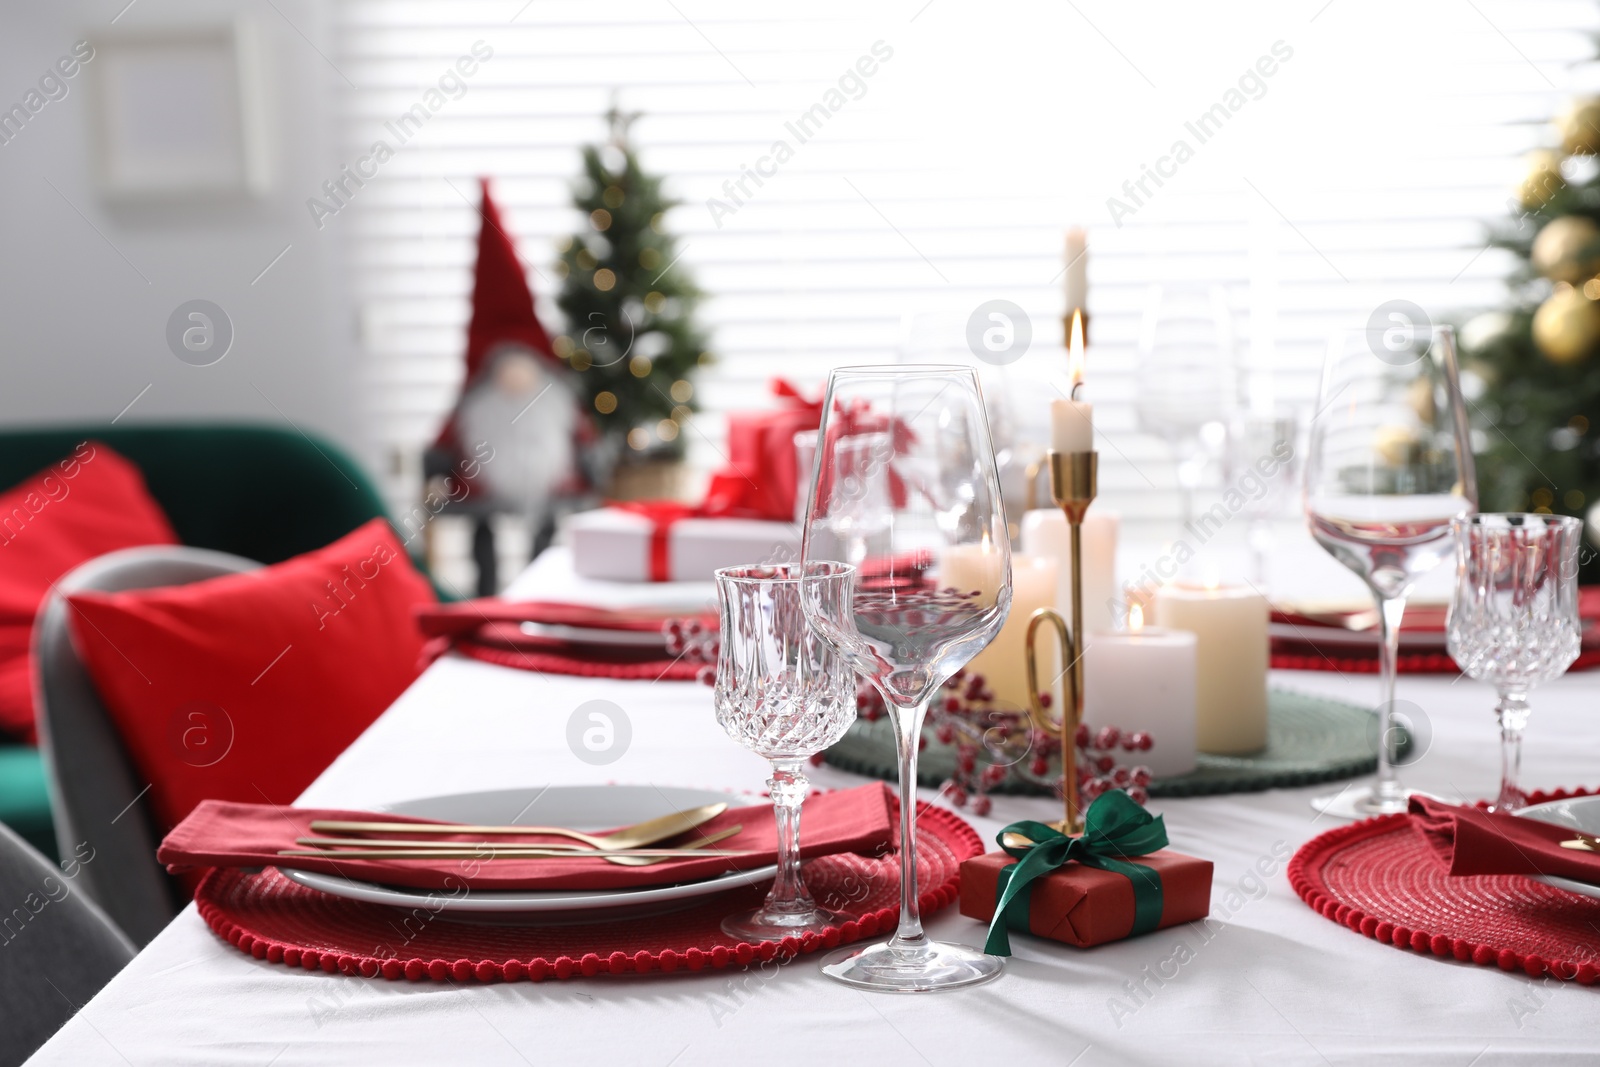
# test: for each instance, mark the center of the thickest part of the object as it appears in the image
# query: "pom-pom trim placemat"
(271, 918)
(1379, 878)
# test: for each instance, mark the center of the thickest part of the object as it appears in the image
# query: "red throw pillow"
(245, 687)
(86, 505)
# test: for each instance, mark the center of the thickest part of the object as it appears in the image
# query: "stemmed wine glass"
(785, 694)
(1389, 468)
(1186, 377)
(1253, 438)
(1514, 617)
(930, 586)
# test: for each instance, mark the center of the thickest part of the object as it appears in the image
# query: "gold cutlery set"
(629, 847)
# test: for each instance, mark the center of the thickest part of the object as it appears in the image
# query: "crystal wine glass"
(930, 587)
(1514, 618)
(1388, 468)
(783, 693)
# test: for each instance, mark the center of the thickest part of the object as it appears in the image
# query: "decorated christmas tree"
(1539, 359)
(631, 334)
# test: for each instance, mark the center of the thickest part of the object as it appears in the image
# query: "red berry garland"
(994, 744)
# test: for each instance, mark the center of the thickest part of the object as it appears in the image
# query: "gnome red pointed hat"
(502, 305)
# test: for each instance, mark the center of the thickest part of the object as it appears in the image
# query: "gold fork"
(362, 848)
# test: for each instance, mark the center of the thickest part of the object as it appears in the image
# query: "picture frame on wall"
(181, 112)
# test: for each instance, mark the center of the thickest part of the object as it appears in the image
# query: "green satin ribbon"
(1113, 826)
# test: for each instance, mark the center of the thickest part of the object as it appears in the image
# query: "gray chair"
(56, 947)
(98, 798)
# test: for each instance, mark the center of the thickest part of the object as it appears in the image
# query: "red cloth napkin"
(224, 834)
(491, 630)
(1469, 840)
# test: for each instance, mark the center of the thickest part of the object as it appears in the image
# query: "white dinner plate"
(578, 807)
(1580, 813)
(590, 635)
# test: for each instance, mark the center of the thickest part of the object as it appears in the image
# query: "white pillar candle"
(1003, 663)
(1072, 421)
(1077, 269)
(1045, 533)
(1071, 426)
(1144, 679)
(973, 568)
(1230, 623)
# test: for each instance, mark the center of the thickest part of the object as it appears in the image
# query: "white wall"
(83, 313)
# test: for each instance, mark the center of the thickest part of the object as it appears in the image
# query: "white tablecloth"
(1275, 983)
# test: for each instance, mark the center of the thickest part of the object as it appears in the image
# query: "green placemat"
(1310, 739)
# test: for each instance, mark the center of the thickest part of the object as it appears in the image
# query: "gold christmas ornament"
(1542, 181)
(1397, 445)
(1567, 249)
(1579, 126)
(1419, 395)
(1486, 330)
(1566, 328)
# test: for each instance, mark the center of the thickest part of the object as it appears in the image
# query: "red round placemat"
(272, 918)
(1380, 879)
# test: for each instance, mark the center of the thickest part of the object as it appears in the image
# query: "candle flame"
(1075, 351)
(1135, 618)
(1212, 583)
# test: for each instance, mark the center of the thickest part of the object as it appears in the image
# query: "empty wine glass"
(1261, 465)
(1514, 617)
(930, 586)
(1186, 377)
(1388, 468)
(783, 693)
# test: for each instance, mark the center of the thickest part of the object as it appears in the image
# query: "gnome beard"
(528, 416)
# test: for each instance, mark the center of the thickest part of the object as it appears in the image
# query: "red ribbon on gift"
(663, 514)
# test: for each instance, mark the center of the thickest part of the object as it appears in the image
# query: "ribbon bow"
(1115, 827)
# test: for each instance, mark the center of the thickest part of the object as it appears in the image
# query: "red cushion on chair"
(90, 503)
(244, 687)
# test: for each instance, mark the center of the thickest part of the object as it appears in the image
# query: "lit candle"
(1144, 679)
(1003, 663)
(1077, 269)
(1072, 421)
(979, 568)
(1230, 623)
(1045, 533)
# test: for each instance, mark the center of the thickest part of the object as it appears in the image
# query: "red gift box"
(763, 477)
(1085, 906)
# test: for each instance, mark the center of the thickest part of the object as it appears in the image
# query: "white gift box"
(617, 545)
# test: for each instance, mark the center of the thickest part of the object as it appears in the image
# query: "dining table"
(1272, 983)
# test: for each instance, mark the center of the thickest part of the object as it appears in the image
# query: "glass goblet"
(919, 520)
(783, 693)
(1514, 617)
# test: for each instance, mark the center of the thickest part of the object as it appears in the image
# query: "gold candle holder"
(1073, 483)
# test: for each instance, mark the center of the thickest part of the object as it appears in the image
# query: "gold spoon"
(636, 836)
(1583, 843)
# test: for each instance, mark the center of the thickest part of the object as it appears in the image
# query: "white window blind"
(1361, 169)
